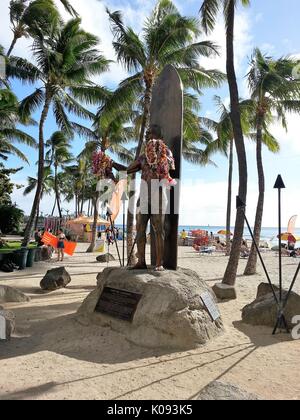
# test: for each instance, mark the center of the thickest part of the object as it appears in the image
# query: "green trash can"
(20, 258)
(30, 257)
(38, 255)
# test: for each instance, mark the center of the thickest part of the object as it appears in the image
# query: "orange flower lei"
(157, 158)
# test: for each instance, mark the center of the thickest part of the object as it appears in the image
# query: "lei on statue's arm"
(102, 166)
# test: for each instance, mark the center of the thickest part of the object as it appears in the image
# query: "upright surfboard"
(167, 112)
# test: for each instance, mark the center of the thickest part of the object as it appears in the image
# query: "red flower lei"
(102, 165)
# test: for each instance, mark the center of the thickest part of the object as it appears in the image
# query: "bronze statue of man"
(154, 164)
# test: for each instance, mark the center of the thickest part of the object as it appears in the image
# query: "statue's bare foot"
(160, 268)
(139, 266)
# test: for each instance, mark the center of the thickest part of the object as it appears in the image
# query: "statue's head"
(154, 133)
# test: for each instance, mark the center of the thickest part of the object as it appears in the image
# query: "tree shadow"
(261, 336)
(220, 279)
(43, 330)
(236, 349)
(251, 349)
(29, 392)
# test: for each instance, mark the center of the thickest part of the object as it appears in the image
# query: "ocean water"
(267, 234)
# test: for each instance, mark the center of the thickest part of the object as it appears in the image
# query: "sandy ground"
(51, 356)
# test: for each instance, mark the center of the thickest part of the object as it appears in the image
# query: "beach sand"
(51, 356)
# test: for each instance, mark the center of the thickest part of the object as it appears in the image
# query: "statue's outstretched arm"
(119, 167)
(134, 167)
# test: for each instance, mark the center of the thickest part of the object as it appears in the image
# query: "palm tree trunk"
(229, 200)
(130, 214)
(28, 230)
(231, 270)
(82, 202)
(37, 217)
(76, 205)
(252, 262)
(12, 45)
(57, 192)
(94, 232)
(54, 206)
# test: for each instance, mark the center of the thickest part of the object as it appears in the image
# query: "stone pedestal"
(224, 292)
(169, 315)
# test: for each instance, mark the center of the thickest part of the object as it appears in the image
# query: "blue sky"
(269, 24)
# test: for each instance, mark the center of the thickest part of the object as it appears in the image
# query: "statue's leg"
(158, 224)
(141, 239)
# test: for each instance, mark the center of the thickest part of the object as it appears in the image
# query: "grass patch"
(13, 246)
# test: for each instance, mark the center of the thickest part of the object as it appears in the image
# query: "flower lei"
(102, 165)
(160, 159)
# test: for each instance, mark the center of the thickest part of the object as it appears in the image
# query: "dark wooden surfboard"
(167, 112)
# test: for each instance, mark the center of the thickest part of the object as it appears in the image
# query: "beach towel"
(49, 239)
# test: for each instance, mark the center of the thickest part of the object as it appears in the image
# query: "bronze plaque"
(118, 303)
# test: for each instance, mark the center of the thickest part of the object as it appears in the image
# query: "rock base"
(263, 310)
(224, 292)
(105, 258)
(219, 391)
(170, 314)
(11, 295)
(57, 278)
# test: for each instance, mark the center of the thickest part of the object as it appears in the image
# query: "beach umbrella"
(224, 233)
(289, 237)
(84, 220)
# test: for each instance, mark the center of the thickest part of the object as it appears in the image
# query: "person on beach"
(184, 236)
(61, 245)
(245, 249)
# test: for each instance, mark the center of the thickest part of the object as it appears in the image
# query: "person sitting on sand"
(61, 245)
(245, 250)
(295, 253)
(219, 246)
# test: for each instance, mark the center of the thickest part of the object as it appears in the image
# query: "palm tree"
(75, 181)
(66, 59)
(225, 141)
(167, 38)
(197, 140)
(25, 15)
(110, 135)
(209, 12)
(274, 92)
(58, 155)
(9, 134)
(47, 188)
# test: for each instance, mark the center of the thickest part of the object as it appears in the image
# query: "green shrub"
(11, 219)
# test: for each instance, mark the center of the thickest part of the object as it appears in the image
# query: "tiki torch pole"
(281, 321)
(279, 185)
(124, 199)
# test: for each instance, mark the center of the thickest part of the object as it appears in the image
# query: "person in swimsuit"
(61, 245)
